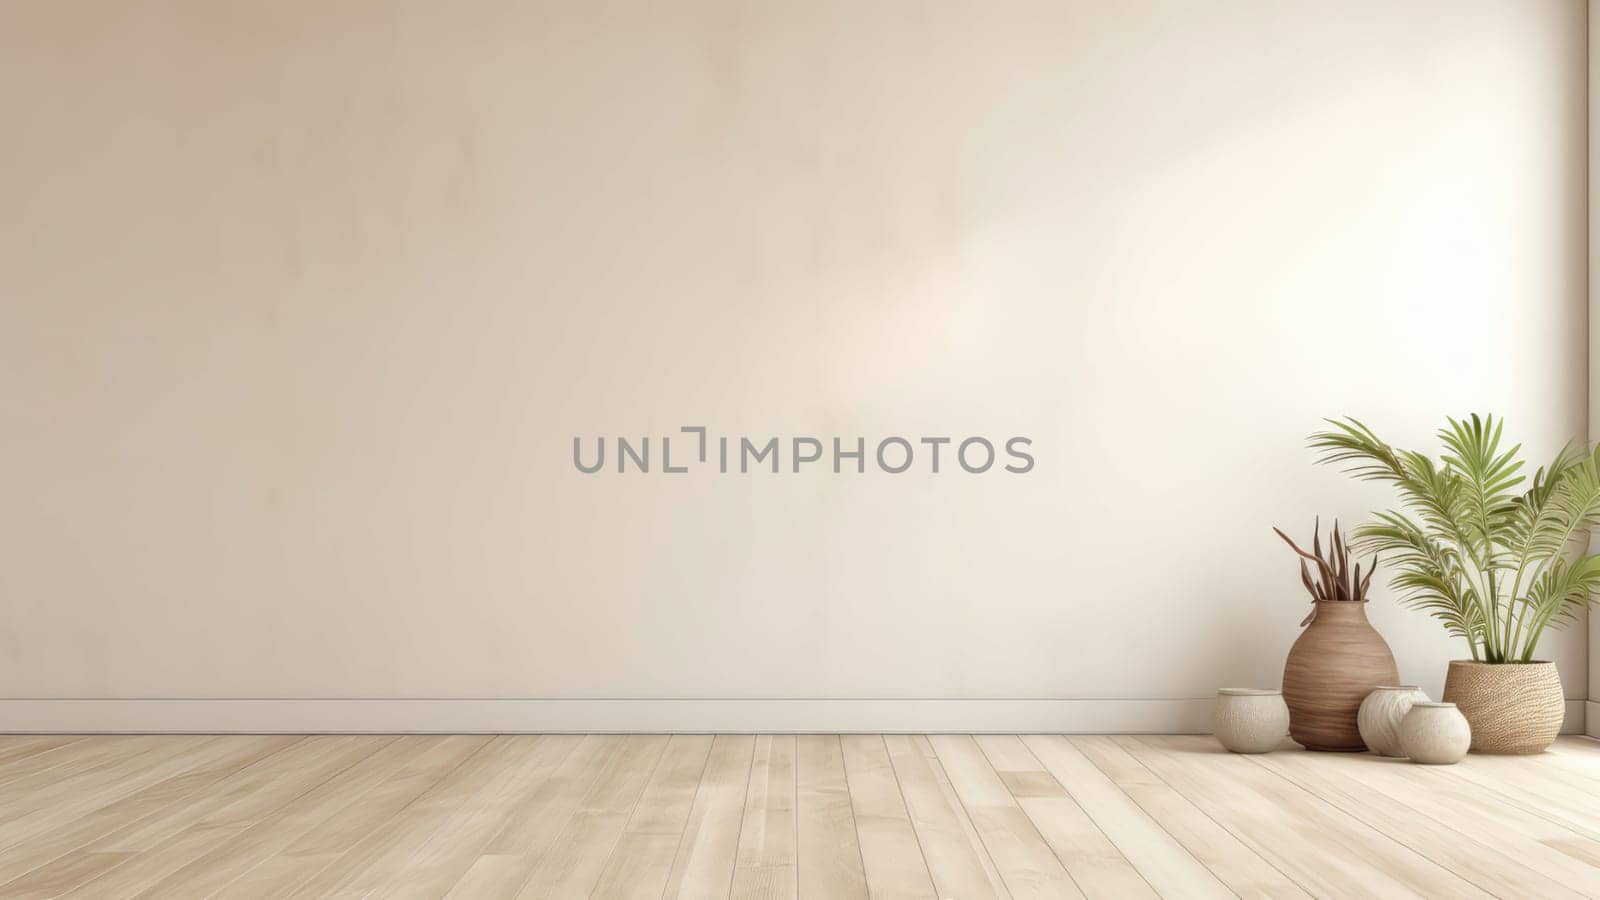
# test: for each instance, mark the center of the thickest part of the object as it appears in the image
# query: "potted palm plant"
(1496, 556)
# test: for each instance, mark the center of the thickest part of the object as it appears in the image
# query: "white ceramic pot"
(1249, 720)
(1381, 713)
(1436, 734)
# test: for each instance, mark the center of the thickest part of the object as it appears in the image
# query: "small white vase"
(1249, 720)
(1381, 713)
(1435, 734)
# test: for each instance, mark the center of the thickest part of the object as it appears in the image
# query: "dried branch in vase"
(1336, 579)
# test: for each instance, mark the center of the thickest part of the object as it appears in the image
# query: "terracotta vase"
(1338, 660)
(1512, 707)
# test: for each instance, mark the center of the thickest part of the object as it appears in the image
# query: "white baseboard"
(1188, 716)
(1181, 716)
(1591, 720)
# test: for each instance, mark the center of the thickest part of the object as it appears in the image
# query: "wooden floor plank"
(1576, 756)
(703, 865)
(45, 799)
(574, 863)
(829, 854)
(808, 816)
(534, 822)
(65, 760)
(664, 806)
(227, 808)
(15, 748)
(639, 866)
(1028, 865)
(386, 853)
(1168, 868)
(46, 811)
(1481, 862)
(765, 860)
(958, 863)
(1321, 847)
(329, 842)
(1236, 865)
(890, 852)
(274, 832)
(1567, 800)
(1093, 861)
(1559, 774)
(642, 861)
(1543, 844)
(237, 796)
(433, 868)
(210, 763)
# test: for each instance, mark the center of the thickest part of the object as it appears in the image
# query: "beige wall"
(301, 306)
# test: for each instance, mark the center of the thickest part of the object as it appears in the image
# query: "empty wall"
(302, 305)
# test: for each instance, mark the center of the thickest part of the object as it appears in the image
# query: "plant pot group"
(1340, 660)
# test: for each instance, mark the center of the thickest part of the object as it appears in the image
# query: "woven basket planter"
(1512, 708)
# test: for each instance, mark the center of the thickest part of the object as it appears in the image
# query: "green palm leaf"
(1492, 560)
(1486, 478)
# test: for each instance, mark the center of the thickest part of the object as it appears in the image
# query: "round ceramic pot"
(1381, 713)
(1435, 734)
(1332, 667)
(1512, 707)
(1248, 720)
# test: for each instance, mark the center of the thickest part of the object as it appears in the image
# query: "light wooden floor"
(782, 816)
